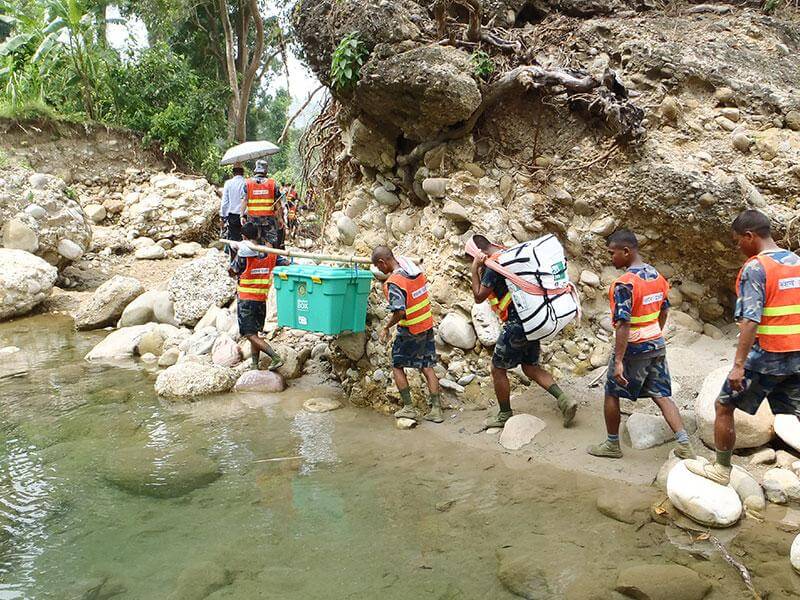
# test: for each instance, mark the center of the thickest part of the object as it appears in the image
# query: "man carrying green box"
(414, 346)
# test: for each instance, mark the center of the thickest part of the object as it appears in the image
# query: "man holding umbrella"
(262, 207)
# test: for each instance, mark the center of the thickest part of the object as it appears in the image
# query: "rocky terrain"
(437, 150)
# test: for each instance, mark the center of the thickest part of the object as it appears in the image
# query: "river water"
(106, 491)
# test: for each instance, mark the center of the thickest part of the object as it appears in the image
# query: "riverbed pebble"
(320, 405)
(404, 423)
(520, 431)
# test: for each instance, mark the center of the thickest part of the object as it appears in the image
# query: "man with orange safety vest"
(638, 366)
(513, 348)
(406, 290)
(262, 206)
(767, 361)
(254, 272)
(291, 210)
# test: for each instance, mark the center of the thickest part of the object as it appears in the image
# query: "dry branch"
(295, 115)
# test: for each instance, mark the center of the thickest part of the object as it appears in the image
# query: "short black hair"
(754, 221)
(624, 238)
(250, 231)
(238, 170)
(381, 253)
(481, 241)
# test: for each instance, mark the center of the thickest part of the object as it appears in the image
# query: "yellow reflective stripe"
(409, 322)
(260, 203)
(645, 318)
(249, 290)
(778, 329)
(505, 301)
(493, 301)
(418, 306)
(256, 281)
(780, 311)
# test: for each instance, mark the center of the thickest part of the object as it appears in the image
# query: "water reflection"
(316, 446)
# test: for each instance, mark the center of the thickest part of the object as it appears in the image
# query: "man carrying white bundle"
(513, 346)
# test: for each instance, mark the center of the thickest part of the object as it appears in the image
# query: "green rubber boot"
(276, 363)
(568, 407)
(434, 414)
(716, 472)
(607, 449)
(407, 412)
(499, 420)
(684, 451)
(254, 361)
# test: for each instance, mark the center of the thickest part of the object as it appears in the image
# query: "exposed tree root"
(606, 100)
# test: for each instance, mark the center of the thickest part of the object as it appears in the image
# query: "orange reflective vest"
(260, 197)
(255, 281)
(500, 305)
(419, 317)
(779, 330)
(649, 296)
(291, 212)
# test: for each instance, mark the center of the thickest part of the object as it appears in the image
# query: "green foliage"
(482, 65)
(346, 62)
(163, 97)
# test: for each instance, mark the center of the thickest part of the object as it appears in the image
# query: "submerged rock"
(25, 281)
(702, 500)
(320, 405)
(752, 431)
(190, 378)
(108, 302)
(521, 576)
(662, 582)
(626, 504)
(160, 473)
(520, 431)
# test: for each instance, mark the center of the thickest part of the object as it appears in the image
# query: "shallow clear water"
(107, 491)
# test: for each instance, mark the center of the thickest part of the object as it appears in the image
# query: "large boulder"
(108, 302)
(171, 206)
(200, 284)
(151, 307)
(457, 331)
(25, 280)
(421, 91)
(188, 379)
(701, 499)
(752, 431)
(37, 215)
(487, 325)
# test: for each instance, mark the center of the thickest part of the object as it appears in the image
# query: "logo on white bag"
(653, 298)
(789, 283)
